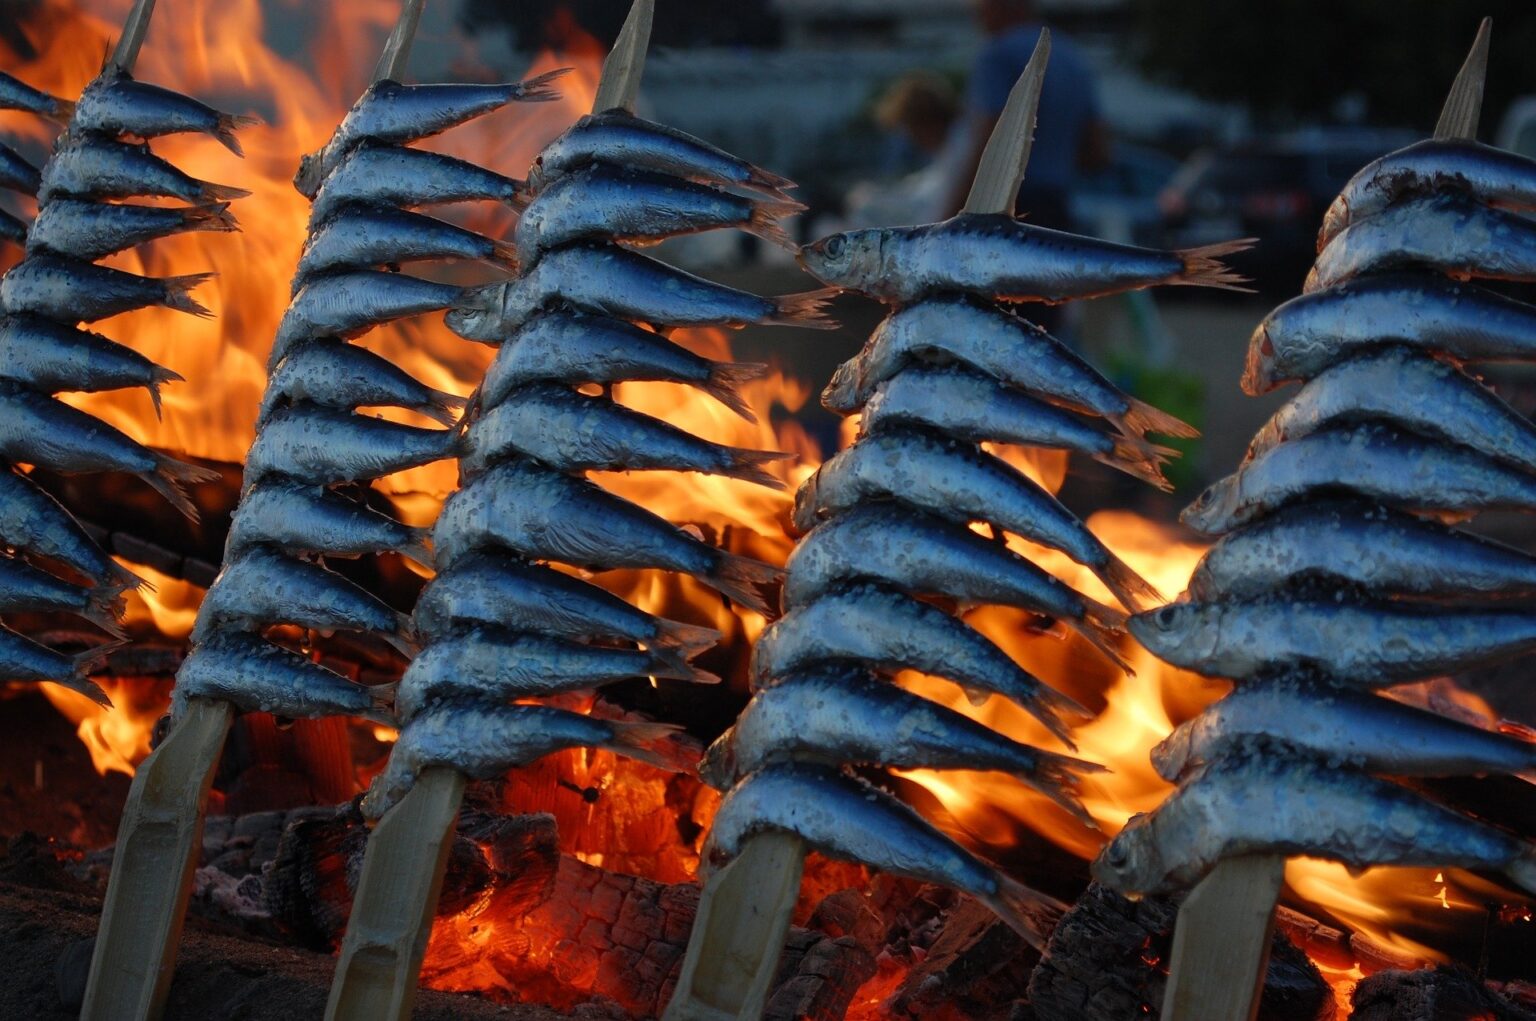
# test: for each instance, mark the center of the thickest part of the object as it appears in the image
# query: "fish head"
(842, 393)
(1131, 863)
(850, 258)
(480, 313)
(1170, 757)
(1334, 220)
(803, 517)
(1184, 634)
(718, 767)
(1261, 355)
(1210, 512)
(309, 176)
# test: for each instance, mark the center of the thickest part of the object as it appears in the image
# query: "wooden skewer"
(1221, 942)
(1464, 105)
(126, 53)
(397, 48)
(738, 934)
(625, 64)
(152, 866)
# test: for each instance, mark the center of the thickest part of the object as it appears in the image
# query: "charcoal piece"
(1431, 994)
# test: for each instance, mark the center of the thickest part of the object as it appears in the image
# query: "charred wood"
(1431, 994)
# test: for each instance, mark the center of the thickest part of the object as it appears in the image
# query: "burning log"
(1431, 994)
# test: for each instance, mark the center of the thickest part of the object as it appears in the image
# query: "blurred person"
(920, 110)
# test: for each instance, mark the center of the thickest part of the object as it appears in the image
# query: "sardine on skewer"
(349, 304)
(22, 659)
(115, 104)
(376, 174)
(33, 522)
(73, 291)
(92, 230)
(13, 229)
(51, 357)
(16, 94)
(361, 236)
(26, 589)
(336, 374)
(16, 173)
(260, 677)
(328, 446)
(311, 520)
(101, 168)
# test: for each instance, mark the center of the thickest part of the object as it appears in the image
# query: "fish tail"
(178, 293)
(1030, 913)
(170, 475)
(1140, 459)
(504, 253)
(216, 218)
(725, 382)
(1523, 870)
(747, 465)
(770, 183)
(1133, 591)
(159, 375)
(225, 130)
(88, 661)
(1059, 778)
(381, 703)
(63, 110)
(652, 743)
(683, 640)
(764, 223)
(105, 607)
(537, 89)
(1203, 266)
(1143, 418)
(807, 309)
(403, 638)
(119, 575)
(742, 580)
(419, 547)
(211, 192)
(444, 408)
(1101, 626)
(1049, 706)
(521, 195)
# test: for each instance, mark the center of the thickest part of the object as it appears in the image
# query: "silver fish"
(483, 741)
(115, 104)
(573, 432)
(17, 173)
(94, 168)
(259, 677)
(341, 375)
(967, 405)
(350, 304)
(890, 631)
(572, 347)
(13, 229)
(1005, 346)
(25, 589)
(389, 175)
(41, 430)
(51, 357)
(72, 291)
(258, 588)
(1307, 809)
(91, 230)
(927, 555)
(34, 522)
(998, 256)
(1449, 233)
(1440, 165)
(488, 664)
(308, 520)
(492, 589)
(360, 236)
(960, 483)
(395, 113)
(1381, 551)
(614, 281)
(600, 202)
(1375, 461)
(837, 714)
(851, 820)
(1461, 322)
(1378, 734)
(327, 446)
(16, 94)
(22, 659)
(622, 139)
(1408, 390)
(1363, 643)
(546, 515)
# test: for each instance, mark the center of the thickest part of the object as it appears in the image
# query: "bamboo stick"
(1003, 161)
(126, 53)
(152, 866)
(1221, 942)
(625, 64)
(397, 48)
(1464, 105)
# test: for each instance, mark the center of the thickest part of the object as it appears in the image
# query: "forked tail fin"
(178, 293)
(744, 580)
(653, 743)
(211, 192)
(1059, 777)
(747, 465)
(159, 375)
(764, 223)
(1030, 913)
(538, 88)
(1133, 591)
(1203, 266)
(228, 125)
(1143, 418)
(725, 382)
(807, 309)
(1140, 459)
(169, 478)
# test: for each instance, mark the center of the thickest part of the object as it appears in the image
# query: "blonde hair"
(916, 97)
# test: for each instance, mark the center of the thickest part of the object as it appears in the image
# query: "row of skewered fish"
(504, 620)
(311, 440)
(45, 351)
(1333, 579)
(887, 541)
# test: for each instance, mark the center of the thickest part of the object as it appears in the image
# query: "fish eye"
(1166, 617)
(1117, 855)
(834, 246)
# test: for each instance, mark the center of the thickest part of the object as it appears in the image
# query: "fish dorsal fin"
(1007, 153)
(1458, 118)
(397, 48)
(625, 63)
(126, 53)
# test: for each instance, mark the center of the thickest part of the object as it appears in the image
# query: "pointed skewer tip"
(1007, 153)
(397, 48)
(1464, 104)
(625, 64)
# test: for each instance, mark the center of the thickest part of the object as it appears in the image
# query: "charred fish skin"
(994, 341)
(1461, 322)
(257, 676)
(362, 236)
(998, 256)
(393, 113)
(1274, 805)
(1362, 643)
(1451, 234)
(1364, 546)
(613, 281)
(328, 446)
(1434, 166)
(349, 304)
(851, 820)
(1409, 390)
(92, 230)
(960, 483)
(577, 347)
(16, 94)
(71, 290)
(1333, 724)
(340, 375)
(22, 659)
(484, 741)
(115, 104)
(620, 138)
(34, 522)
(1377, 462)
(17, 173)
(572, 432)
(603, 202)
(374, 174)
(309, 520)
(98, 168)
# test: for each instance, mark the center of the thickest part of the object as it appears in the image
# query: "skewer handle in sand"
(1221, 942)
(377, 974)
(738, 935)
(152, 866)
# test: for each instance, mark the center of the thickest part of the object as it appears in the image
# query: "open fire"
(611, 813)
